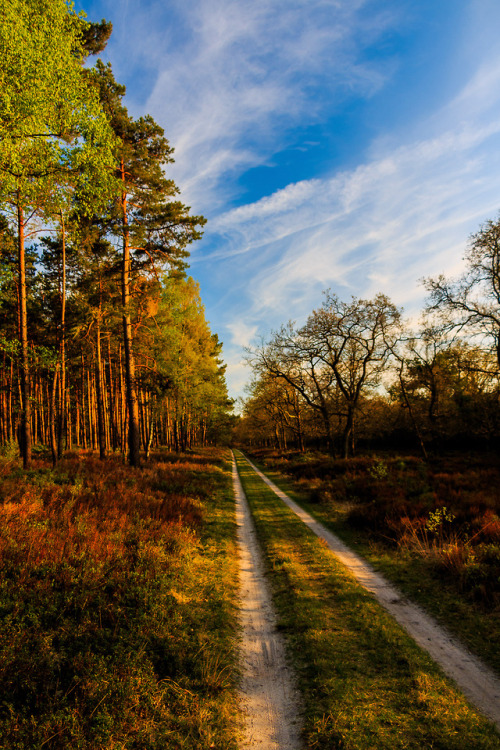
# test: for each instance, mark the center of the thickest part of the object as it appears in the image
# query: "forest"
(104, 343)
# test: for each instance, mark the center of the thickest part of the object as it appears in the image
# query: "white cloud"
(242, 333)
(478, 95)
(379, 227)
(231, 92)
(238, 372)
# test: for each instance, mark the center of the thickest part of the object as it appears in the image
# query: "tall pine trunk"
(101, 428)
(25, 425)
(62, 351)
(53, 410)
(132, 402)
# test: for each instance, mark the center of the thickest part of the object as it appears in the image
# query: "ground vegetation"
(117, 599)
(364, 682)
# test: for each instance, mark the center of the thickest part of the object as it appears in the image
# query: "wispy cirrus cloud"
(381, 226)
(247, 73)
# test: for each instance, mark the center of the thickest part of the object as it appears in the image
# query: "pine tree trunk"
(150, 428)
(78, 422)
(132, 403)
(10, 421)
(84, 421)
(62, 354)
(69, 424)
(89, 408)
(101, 429)
(142, 416)
(25, 425)
(3, 417)
(111, 400)
(123, 405)
(53, 416)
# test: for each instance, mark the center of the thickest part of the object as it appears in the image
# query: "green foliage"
(9, 450)
(378, 470)
(159, 227)
(53, 130)
(187, 373)
(11, 348)
(437, 519)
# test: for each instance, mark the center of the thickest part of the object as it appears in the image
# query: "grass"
(365, 683)
(453, 571)
(118, 604)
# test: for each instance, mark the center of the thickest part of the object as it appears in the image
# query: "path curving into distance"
(269, 699)
(476, 681)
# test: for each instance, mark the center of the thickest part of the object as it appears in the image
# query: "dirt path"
(270, 702)
(475, 679)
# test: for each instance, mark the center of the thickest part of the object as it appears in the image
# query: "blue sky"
(343, 144)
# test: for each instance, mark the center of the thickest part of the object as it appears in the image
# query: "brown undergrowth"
(117, 603)
(365, 683)
(445, 511)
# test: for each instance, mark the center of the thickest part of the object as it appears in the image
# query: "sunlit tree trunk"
(132, 403)
(25, 425)
(62, 349)
(84, 421)
(99, 391)
(53, 409)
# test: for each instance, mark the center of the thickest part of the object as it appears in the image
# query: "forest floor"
(120, 599)
(478, 683)
(118, 603)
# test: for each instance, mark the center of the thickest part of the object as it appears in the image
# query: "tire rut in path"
(269, 699)
(476, 681)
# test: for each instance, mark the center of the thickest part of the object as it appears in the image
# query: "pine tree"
(154, 229)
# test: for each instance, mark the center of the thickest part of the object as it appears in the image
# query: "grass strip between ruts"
(365, 683)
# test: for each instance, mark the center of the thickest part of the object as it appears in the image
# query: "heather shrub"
(109, 636)
(445, 510)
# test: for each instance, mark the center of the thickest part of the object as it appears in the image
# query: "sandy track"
(477, 682)
(269, 700)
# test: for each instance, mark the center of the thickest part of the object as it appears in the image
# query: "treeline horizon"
(356, 373)
(103, 339)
